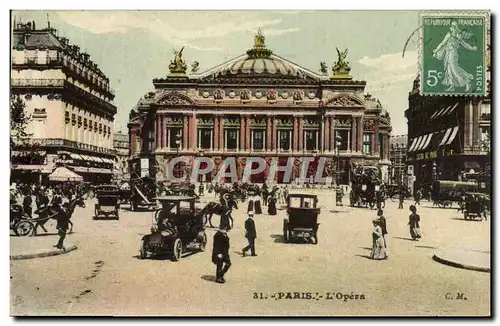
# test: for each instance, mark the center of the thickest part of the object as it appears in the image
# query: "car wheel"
(142, 252)
(203, 242)
(24, 228)
(177, 250)
(285, 230)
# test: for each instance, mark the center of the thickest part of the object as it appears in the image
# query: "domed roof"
(259, 61)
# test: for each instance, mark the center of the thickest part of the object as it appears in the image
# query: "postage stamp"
(453, 53)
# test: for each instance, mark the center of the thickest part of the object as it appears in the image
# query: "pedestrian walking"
(258, 205)
(27, 202)
(401, 199)
(250, 234)
(271, 208)
(414, 223)
(378, 247)
(383, 224)
(62, 226)
(220, 255)
(417, 197)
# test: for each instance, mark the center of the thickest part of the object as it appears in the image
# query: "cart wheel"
(203, 242)
(285, 230)
(24, 228)
(315, 236)
(177, 250)
(142, 252)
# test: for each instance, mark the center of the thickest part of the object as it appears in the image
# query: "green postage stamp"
(453, 52)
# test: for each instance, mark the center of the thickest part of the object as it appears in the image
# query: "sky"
(134, 47)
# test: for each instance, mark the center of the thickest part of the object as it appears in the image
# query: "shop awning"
(32, 167)
(444, 111)
(107, 160)
(446, 136)
(63, 174)
(76, 156)
(427, 142)
(417, 145)
(421, 144)
(452, 136)
(92, 170)
(414, 142)
(439, 112)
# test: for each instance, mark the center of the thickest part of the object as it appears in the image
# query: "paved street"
(105, 277)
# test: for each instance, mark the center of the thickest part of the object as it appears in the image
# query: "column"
(242, 132)
(192, 131)
(377, 131)
(295, 134)
(158, 128)
(373, 143)
(185, 132)
(476, 135)
(301, 132)
(163, 132)
(216, 132)
(331, 122)
(354, 131)
(222, 143)
(359, 139)
(275, 135)
(247, 134)
(326, 133)
(269, 135)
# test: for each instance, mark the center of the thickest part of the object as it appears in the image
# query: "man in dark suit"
(220, 254)
(250, 234)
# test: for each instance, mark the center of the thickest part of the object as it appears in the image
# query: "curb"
(459, 265)
(54, 252)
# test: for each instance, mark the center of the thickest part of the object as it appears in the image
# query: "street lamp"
(338, 143)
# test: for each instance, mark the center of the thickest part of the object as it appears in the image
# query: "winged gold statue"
(341, 67)
(178, 65)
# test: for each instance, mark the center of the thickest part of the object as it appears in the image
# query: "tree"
(18, 122)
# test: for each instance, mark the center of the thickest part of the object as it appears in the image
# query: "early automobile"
(178, 227)
(476, 205)
(302, 221)
(446, 192)
(108, 202)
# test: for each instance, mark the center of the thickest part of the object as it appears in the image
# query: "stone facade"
(260, 104)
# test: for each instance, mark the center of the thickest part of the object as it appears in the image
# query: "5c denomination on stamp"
(453, 53)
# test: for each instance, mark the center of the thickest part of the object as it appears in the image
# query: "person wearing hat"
(383, 225)
(250, 234)
(378, 248)
(220, 254)
(414, 223)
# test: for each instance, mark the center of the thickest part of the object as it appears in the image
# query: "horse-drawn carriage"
(20, 223)
(108, 202)
(476, 205)
(178, 226)
(445, 192)
(143, 193)
(364, 190)
(302, 221)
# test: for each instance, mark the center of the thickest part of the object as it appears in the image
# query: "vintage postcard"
(250, 163)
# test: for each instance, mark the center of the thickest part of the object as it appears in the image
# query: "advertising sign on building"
(144, 167)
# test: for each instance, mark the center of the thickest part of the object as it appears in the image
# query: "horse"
(215, 208)
(50, 212)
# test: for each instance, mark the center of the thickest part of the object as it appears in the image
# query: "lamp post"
(338, 142)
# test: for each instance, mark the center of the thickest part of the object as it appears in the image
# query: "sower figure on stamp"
(250, 234)
(220, 255)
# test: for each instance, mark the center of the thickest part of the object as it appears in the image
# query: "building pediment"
(173, 99)
(344, 100)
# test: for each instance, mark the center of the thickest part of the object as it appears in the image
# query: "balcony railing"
(37, 82)
(65, 143)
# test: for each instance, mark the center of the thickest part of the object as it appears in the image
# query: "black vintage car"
(108, 202)
(302, 221)
(476, 205)
(446, 192)
(178, 227)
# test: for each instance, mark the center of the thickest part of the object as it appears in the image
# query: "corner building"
(259, 105)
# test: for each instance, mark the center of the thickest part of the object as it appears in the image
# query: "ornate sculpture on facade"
(324, 68)
(178, 66)
(259, 39)
(271, 95)
(245, 95)
(341, 68)
(218, 94)
(174, 98)
(195, 66)
(259, 49)
(342, 101)
(343, 122)
(298, 96)
(368, 124)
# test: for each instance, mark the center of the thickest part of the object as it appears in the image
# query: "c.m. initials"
(458, 296)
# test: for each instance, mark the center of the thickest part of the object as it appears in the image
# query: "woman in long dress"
(447, 51)
(258, 204)
(378, 246)
(414, 223)
(250, 207)
(271, 208)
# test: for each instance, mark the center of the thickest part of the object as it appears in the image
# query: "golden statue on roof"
(342, 67)
(177, 66)
(259, 39)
